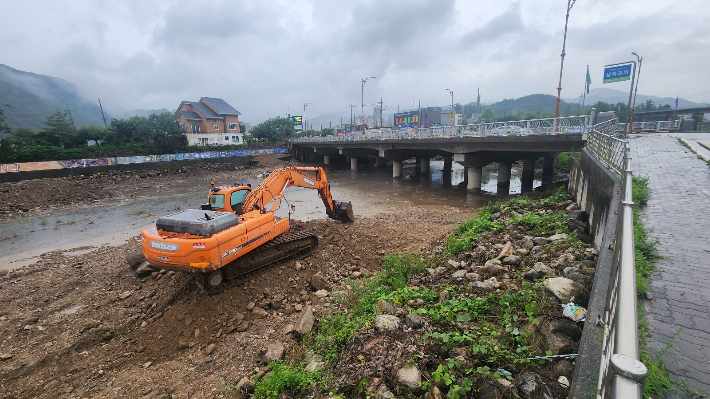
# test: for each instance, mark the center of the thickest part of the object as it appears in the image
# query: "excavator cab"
(227, 199)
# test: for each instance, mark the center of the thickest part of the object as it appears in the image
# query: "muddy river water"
(24, 239)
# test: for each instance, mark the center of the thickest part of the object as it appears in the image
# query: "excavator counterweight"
(236, 231)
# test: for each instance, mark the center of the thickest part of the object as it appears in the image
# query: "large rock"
(513, 260)
(135, 259)
(305, 322)
(563, 367)
(507, 250)
(383, 307)
(433, 393)
(531, 386)
(319, 283)
(413, 321)
(565, 289)
(275, 351)
(576, 275)
(386, 322)
(491, 268)
(410, 378)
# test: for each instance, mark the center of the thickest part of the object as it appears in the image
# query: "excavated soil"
(86, 326)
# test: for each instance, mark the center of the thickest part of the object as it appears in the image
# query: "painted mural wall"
(85, 163)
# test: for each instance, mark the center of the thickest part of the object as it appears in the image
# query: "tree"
(165, 129)
(487, 115)
(60, 132)
(274, 129)
(3, 127)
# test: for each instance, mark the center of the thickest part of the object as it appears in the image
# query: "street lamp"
(303, 122)
(362, 101)
(451, 115)
(570, 4)
(633, 107)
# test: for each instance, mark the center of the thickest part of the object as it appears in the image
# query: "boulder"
(576, 275)
(145, 270)
(565, 289)
(305, 322)
(386, 322)
(413, 321)
(507, 250)
(565, 260)
(409, 378)
(319, 283)
(275, 351)
(444, 296)
(531, 386)
(557, 237)
(245, 385)
(259, 312)
(513, 260)
(459, 274)
(527, 243)
(383, 307)
(135, 259)
(540, 241)
(563, 367)
(491, 284)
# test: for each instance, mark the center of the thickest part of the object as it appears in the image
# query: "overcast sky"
(267, 58)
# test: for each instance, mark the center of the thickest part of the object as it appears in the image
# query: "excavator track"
(288, 245)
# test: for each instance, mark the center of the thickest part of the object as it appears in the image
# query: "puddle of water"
(70, 310)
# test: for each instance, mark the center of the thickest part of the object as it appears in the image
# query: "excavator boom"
(272, 189)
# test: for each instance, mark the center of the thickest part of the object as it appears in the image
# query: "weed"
(639, 190)
(462, 239)
(43, 222)
(543, 225)
(283, 377)
(138, 212)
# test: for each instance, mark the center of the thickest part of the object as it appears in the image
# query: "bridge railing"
(602, 141)
(570, 124)
(621, 373)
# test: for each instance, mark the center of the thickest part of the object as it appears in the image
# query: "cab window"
(239, 196)
(217, 201)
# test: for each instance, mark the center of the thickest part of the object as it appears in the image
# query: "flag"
(676, 102)
(589, 79)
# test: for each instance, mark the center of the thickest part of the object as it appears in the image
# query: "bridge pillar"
(424, 165)
(448, 161)
(504, 177)
(396, 169)
(474, 179)
(528, 175)
(353, 163)
(548, 169)
(326, 159)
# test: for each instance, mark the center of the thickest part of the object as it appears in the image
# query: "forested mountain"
(32, 97)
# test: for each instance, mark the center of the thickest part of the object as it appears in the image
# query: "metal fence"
(571, 124)
(602, 141)
(621, 373)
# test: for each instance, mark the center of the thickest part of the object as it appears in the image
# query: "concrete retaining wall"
(597, 190)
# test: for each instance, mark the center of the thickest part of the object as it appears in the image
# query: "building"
(210, 121)
(424, 117)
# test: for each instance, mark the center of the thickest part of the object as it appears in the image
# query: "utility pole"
(381, 121)
(633, 107)
(352, 121)
(570, 4)
(303, 122)
(362, 101)
(102, 114)
(451, 115)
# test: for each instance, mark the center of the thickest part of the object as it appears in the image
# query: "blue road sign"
(617, 73)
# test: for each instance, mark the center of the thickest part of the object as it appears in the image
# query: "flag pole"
(586, 88)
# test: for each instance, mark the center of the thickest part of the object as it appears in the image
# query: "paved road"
(678, 214)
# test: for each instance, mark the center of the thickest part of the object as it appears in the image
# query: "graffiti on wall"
(85, 163)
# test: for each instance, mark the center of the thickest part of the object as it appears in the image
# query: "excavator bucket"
(344, 211)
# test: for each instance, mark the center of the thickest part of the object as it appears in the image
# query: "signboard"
(297, 120)
(617, 73)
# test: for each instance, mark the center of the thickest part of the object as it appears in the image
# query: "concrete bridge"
(472, 152)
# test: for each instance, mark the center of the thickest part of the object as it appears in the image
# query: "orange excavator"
(236, 231)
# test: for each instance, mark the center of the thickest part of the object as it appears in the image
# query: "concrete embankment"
(596, 189)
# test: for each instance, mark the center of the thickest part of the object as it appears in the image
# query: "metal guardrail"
(602, 141)
(621, 373)
(570, 124)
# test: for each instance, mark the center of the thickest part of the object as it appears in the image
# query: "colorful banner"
(85, 163)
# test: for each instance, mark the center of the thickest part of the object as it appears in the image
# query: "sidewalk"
(678, 214)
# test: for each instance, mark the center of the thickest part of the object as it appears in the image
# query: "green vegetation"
(495, 326)
(564, 160)
(645, 248)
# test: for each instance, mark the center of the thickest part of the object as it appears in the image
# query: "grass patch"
(283, 377)
(646, 249)
(686, 145)
(564, 160)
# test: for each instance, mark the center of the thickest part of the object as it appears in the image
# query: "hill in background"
(32, 97)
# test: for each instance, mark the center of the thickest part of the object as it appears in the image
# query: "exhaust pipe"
(344, 211)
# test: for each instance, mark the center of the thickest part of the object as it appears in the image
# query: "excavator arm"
(272, 189)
